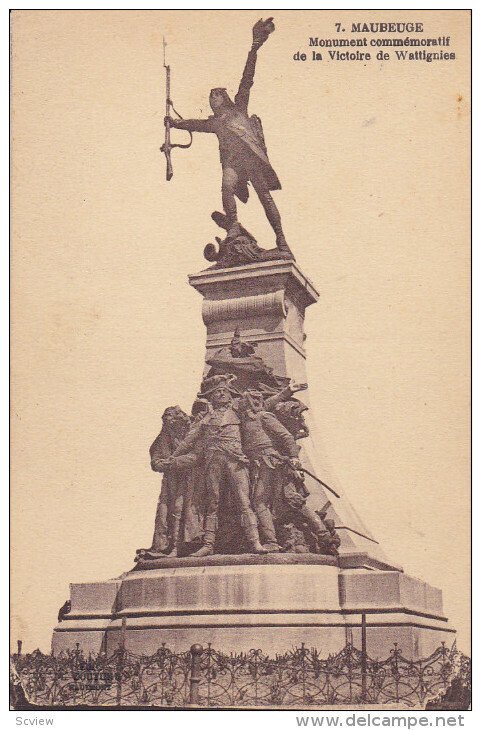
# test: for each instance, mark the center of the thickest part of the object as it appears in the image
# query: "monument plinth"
(272, 605)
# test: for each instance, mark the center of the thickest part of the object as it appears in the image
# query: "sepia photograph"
(240, 359)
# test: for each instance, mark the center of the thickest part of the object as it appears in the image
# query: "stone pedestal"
(267, 301)
(272, 602)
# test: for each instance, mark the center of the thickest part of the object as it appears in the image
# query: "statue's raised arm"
(260, 33)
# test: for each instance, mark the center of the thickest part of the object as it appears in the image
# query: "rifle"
(168, 146)
(323, 484)
(303, 471)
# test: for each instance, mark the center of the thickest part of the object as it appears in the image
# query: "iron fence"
(207, 678)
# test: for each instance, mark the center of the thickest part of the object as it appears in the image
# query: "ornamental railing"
(204, 677)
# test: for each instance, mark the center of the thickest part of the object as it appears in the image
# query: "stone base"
(357, 559)
(272, 604)
(250, 559)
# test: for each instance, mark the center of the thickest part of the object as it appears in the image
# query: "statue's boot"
(281, 244)
(232, 229)
(159, 546)
(149, 555)
(143, 551)
(271, 547)
(267, 530)
(249, 523)
(175, 539)
(203, 552)
(275, 220)
(210, 529)
(220, 219)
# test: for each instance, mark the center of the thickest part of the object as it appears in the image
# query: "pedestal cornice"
(274, 275)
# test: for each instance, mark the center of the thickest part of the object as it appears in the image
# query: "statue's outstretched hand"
(261, 31)
(170, 121)
(296, 464)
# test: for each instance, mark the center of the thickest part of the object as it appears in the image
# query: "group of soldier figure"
(232, 479)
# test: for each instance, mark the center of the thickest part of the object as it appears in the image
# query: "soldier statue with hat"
(244, 159)
(218, 436)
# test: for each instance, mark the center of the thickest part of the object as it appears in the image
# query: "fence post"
(363, 658)
(196, 651)
(19, 647)
(120, 661)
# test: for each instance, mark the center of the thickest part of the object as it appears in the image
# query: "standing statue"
(269, 447)
(217, 435)
(176, 481)
(278, 489)
(244, 159)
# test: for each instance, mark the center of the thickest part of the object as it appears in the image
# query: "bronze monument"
(254, 544)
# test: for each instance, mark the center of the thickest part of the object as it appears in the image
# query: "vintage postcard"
(240, 359)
